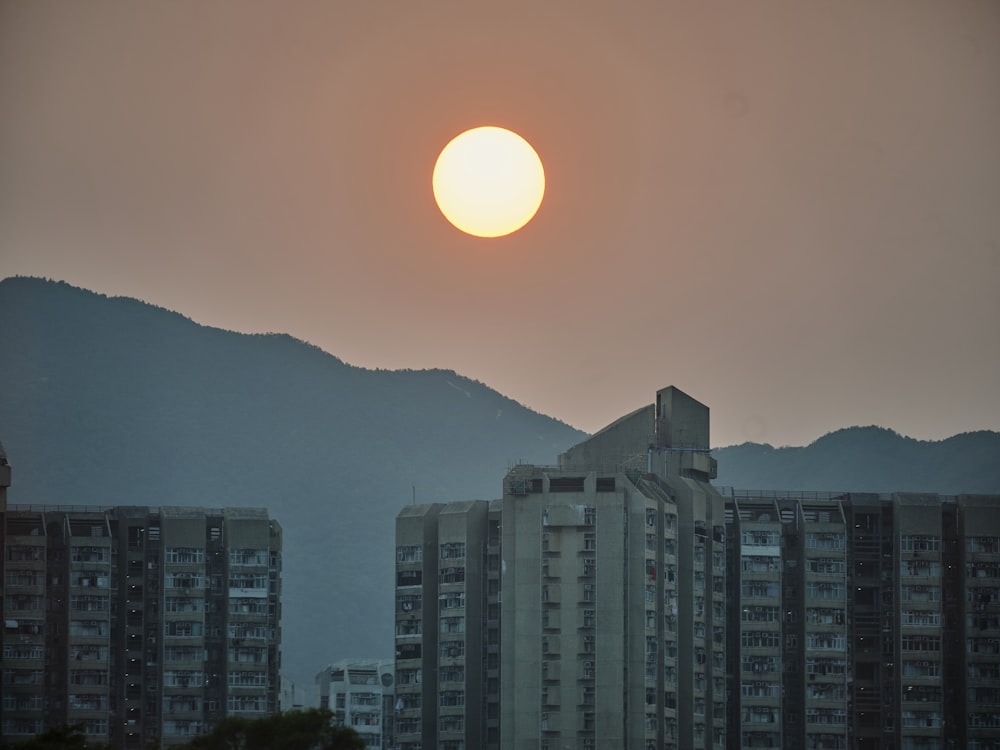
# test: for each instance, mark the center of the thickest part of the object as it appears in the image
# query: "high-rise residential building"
(447, 625)
(865, 621)
(585, 609)
(360, 693)
(141, 624)
(613, 616)
(641, 607)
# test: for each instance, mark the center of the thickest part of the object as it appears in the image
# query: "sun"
(488, 181)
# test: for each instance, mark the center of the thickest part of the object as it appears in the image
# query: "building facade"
(637, 606)
(613, 618)
(361, 696)
(145, 625)
(447, 626)
(584, 609)
(865, 621)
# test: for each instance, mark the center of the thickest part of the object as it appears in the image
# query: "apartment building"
(141, 624)
(360, 693)
(866, 621)
(586, 608)
(637, 606)
(446, 625)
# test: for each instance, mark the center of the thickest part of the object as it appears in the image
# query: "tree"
(66, 737)
(311, 729)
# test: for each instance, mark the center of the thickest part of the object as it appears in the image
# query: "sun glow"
(488, 182)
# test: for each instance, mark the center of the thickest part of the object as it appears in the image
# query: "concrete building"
(584, 609)
(640, 607)
(866, 621)
(613, 616)
(361, 696)
(446, 625)
(142, 624)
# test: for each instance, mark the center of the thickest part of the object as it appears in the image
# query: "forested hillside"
(113, 401)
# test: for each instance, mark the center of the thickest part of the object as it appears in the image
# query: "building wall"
(613, 617)
(360, 693)
(888, 620)
(166, 619)
(978, 526)
(442, 607)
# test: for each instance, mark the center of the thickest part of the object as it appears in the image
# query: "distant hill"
(109, 401)
(868, 459)
(113, 401)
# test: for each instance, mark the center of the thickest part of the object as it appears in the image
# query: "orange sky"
(791, 211)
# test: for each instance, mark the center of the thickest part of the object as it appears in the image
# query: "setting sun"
(488, 182)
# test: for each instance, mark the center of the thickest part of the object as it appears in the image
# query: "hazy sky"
(789, 210)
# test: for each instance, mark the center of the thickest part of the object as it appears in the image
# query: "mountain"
(109, 401)
(867, 459)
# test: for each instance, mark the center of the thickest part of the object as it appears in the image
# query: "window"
(760, 639)
(452, 575)
(920, 568)
(826, 565)
(819, 666)
(186, 555)
(989, 545)
(409, 553)
(183, 604)
(920, 618)
(183, 678)
(761, 689)
(452, 674)
(760, 664)
(409, 577)
(453, 551)
(89, 628)
(183, 581)
(919, 543)
(825, 590)
(826, 641)
(23, 651)
(184, 629)
(826, 716)
(452, 649)
(408, 602)
(452, 698)
(452, 624)
(87, 603)
(759, 589)
(760, 614)
(408, 676)
(921, 668)
(20, 578)
(910, 593)
(248, 556)
(760, 538)
(409, 627)
(824, 540)
(451, 600)
(89, 554)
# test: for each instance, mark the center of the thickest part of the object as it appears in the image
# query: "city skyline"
(800, 201)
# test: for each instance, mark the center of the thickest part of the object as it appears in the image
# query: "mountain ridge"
(108, 400)
(867, 459)
(111, 400)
